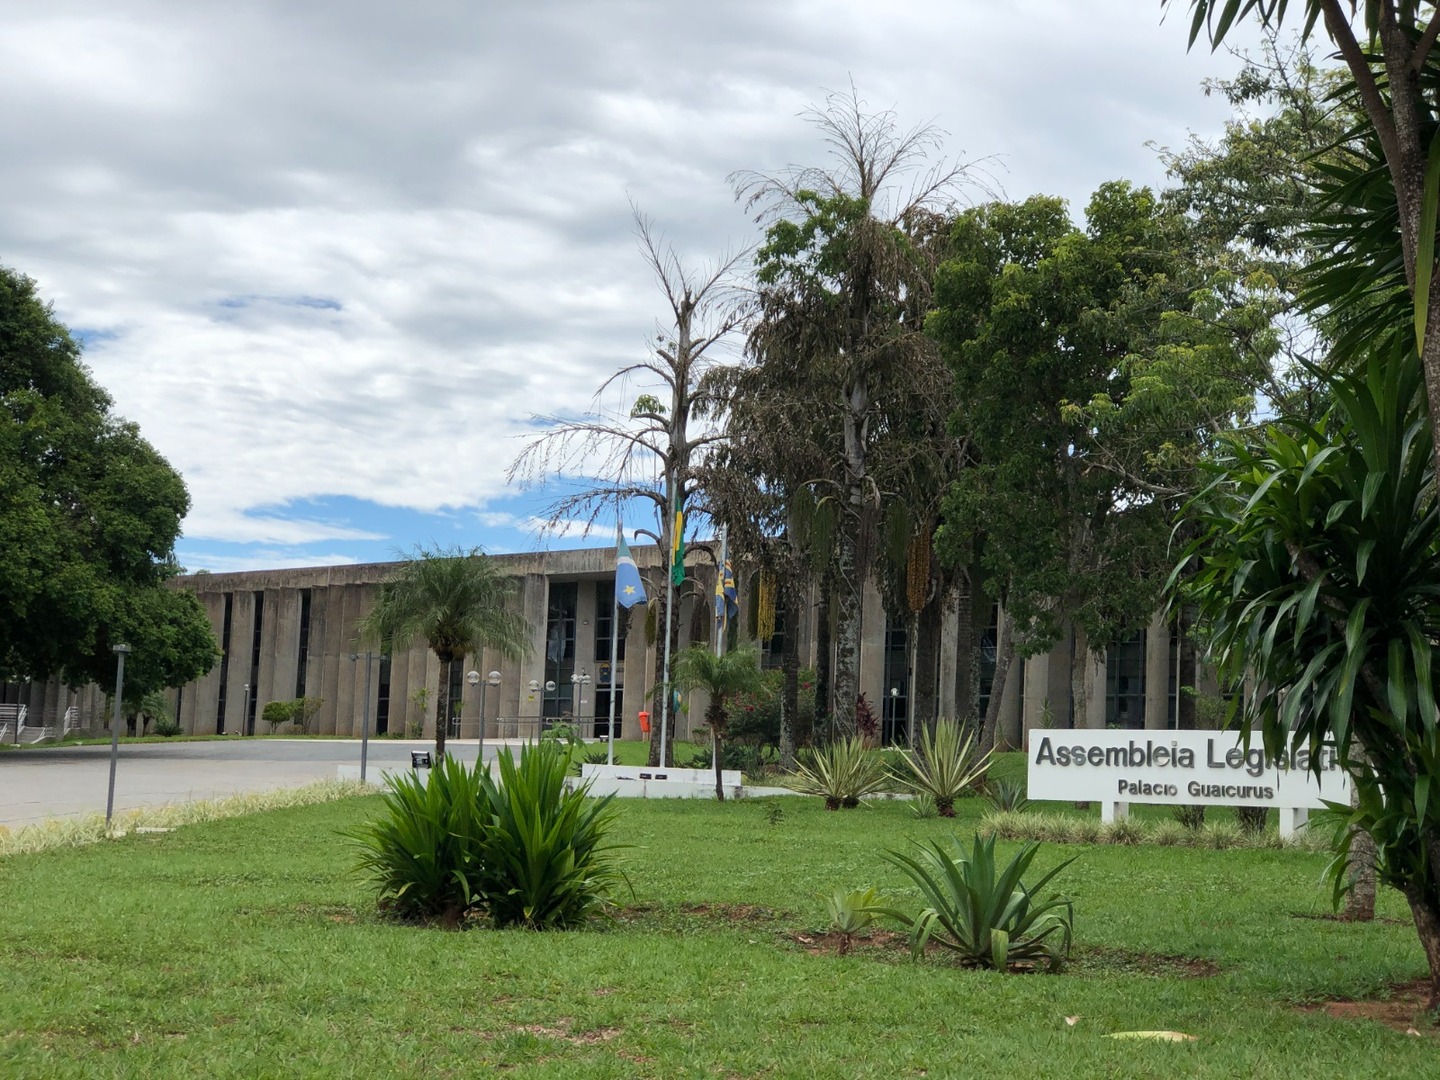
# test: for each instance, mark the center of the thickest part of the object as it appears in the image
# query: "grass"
(244, 947)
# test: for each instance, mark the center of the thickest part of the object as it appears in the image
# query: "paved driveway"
(67, 781)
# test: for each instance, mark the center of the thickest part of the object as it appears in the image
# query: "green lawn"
(244, 948)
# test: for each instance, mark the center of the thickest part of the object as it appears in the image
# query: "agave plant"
(945, 765)
(1006, 796)
(841, 772)
(988, 917)
(424, 851)
(545, 863)
(851, 912)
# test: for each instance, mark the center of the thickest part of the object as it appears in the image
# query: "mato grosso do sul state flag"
(629, 590)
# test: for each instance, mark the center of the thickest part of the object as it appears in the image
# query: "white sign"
(1206, 768)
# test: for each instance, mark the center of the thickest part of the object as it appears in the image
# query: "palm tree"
(457, 601)
(722, 677)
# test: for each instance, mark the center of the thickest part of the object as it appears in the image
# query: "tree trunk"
(966, 687)
(849, 602)
(1360, 900)
(823, 657)
(716, 718)
(790, 691)
(442, 707)
(1080, 679)
(1004, 657)
(927, 663)
(1426, 913)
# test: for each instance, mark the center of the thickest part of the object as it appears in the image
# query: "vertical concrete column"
(242, 630)
(1036, 695)
(282, 646)
(327, 622)
(343, 642)
(1157, 672)
(534, 607)
(416, 661)
(204, 692)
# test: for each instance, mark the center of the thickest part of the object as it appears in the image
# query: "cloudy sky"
(333, 257)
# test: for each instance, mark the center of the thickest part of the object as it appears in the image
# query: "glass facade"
(895, 694)
(1125, 682)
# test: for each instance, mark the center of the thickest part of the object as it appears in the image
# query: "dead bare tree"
(650, 450)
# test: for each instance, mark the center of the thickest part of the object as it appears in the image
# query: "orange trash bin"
(644, 722)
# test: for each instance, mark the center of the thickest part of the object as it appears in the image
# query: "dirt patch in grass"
(1401, 1008)
(1107, 961)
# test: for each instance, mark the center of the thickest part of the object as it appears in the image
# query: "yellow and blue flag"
(629, 590)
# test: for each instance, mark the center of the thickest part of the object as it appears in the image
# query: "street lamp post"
(245, 728)
(365, 716)
(493, 679)
(120, 651)
(581, 681)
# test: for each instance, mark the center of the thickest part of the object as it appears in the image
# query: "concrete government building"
(285, 634)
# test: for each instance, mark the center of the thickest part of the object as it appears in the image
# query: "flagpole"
(665, 679)
(721, 614)
(614, 638)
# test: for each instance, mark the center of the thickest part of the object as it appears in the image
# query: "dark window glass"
(560, 650)
(302, 660)
(895, 694)
(1125, 682)
(224, 662)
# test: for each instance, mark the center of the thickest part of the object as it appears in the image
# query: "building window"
(302, 659)
(895, 703)
(560, 650)
(607, 682)
(224, 662)
(382, 702)
(253, 694)
(989, 644)
(1125, 682)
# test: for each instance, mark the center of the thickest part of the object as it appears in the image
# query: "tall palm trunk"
(790, 688)
(442, 705)
(823, 658)
(716, 718)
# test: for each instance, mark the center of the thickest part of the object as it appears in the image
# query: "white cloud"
(347, 250)
(259, 559)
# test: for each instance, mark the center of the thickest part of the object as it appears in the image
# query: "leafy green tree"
(89, 514)
(1315, 573)
(457, 601)
(1394, 80)
(724, 678)
(1091, 368)
(844, 278)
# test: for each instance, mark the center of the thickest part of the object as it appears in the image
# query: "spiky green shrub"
(424, 851)
(1085, 830)
(545, 863)
(1171, 834)
(1006, 795)
(944, 766)
(841, 773)
(851, 912)
(1122, 830)
(923, 808)
(1220, 835)
(986, 915)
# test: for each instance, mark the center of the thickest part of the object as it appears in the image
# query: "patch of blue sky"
(338, 529)
(321, 303)
(91, 335)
